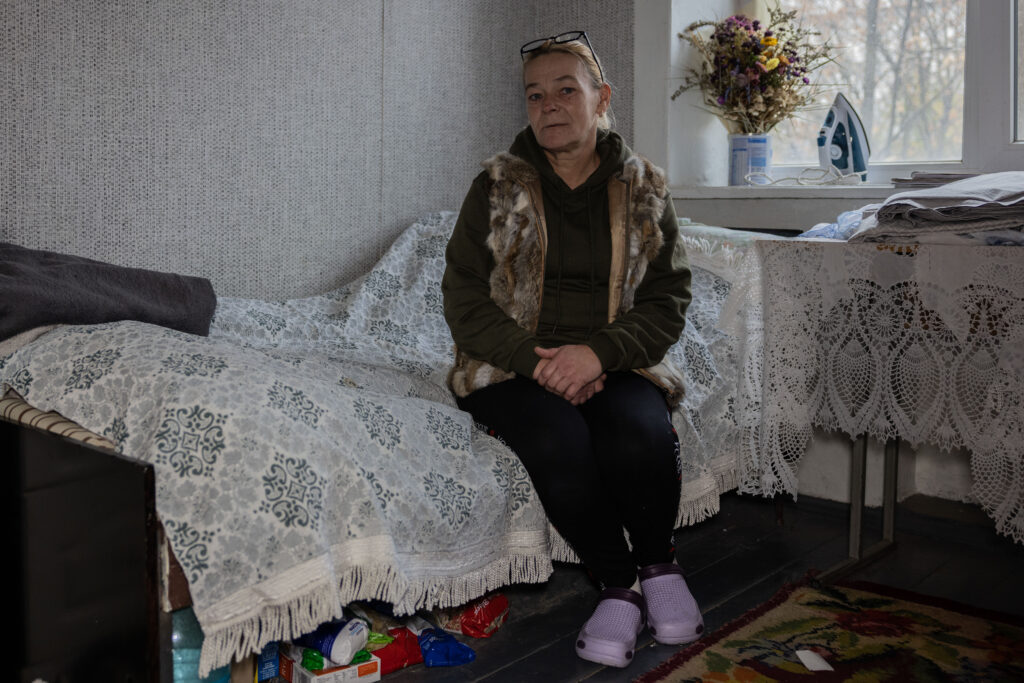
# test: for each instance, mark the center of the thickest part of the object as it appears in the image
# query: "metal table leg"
(857, 555)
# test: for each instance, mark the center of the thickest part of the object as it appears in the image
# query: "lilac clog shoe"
(673, 617)
(609, 636)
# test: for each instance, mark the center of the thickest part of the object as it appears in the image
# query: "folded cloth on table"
(847, 223)
(46, 288)
(991, 201)
(997, 237)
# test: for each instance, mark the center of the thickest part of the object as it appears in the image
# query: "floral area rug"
(865, 632)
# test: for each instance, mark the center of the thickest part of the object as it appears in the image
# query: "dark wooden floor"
(737, 560)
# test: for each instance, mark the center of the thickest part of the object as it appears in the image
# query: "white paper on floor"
(813, 661)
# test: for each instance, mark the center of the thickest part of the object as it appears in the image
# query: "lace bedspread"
(920, 342)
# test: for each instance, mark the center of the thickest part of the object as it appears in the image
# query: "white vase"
(750, 154)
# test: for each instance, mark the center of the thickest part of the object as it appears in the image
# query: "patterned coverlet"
(308, 453)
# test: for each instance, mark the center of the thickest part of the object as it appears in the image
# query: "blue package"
(440, 648)
(268, 662)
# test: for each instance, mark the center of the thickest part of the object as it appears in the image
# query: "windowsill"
(773, 207)
(864, 191)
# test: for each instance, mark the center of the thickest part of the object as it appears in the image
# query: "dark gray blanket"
(46, 288)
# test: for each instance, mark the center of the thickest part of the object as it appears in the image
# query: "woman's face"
(561, 103)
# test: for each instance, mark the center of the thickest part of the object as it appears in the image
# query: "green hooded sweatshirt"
(574, 305)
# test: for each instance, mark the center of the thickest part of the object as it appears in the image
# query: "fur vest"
(518, 241)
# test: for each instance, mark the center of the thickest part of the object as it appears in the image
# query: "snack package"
(402, 651)
(379, 620)
(268, 662)
(312, 659)
(376, 641)
(478, 619)
(440, 648)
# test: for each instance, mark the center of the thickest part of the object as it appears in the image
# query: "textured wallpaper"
(276, 148)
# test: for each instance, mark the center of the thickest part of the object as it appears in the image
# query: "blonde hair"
(589, 59)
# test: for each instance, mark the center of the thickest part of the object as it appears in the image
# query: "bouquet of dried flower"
(752, 75)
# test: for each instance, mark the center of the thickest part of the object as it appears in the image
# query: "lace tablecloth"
(920, 342)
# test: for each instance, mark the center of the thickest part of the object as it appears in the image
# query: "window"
(983, 86)
(900, 63)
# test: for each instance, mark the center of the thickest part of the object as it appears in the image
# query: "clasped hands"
(572, 371)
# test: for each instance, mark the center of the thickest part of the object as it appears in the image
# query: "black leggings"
(608, 464)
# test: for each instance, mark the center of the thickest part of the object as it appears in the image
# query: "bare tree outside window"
(900, 63)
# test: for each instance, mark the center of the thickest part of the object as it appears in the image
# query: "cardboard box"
(366, 672)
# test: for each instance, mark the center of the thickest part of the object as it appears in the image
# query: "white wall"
(661, 123)
(824, 471)
(276, 148)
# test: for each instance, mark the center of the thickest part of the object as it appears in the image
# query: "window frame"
(989, 130)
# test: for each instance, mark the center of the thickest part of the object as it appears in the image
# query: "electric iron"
(842, 141)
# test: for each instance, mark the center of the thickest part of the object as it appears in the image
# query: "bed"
(307, 453)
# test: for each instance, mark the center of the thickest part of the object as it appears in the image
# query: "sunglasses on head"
(567, 37)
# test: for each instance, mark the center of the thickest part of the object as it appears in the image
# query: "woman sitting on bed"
(565, 286)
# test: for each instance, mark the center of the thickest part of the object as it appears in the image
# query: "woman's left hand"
(566, 370)
(587, 392)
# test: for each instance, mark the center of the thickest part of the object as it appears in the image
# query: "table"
(921, 343)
